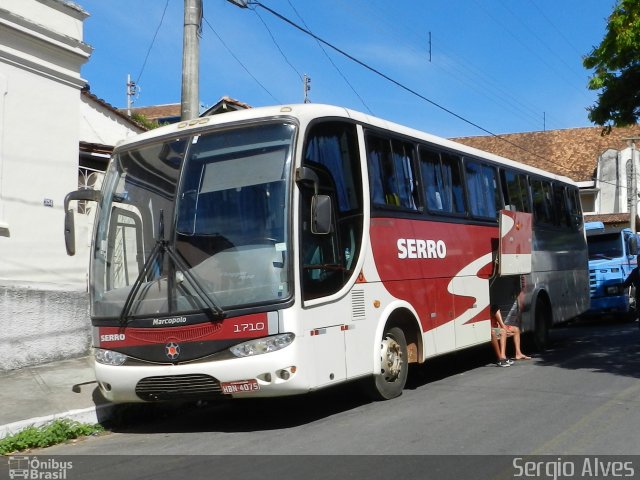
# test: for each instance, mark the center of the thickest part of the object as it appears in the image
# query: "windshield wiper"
(162, 246)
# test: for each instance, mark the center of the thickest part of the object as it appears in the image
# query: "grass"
(53, 433)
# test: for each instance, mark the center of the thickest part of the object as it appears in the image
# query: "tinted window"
(442, 181)
(542, 201)
(482, 189)
(516, 192)
(391, 174)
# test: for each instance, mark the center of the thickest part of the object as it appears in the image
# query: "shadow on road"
(606, 346)
(599, 345)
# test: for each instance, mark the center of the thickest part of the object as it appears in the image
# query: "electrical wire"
(331, 61)
(458, 67)
(417, 94)
(153, 40)
(239, 62)
(406, 88)
(276, 44)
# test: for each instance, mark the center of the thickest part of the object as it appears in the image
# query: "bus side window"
(541, 201)
(452, 178)
(442, 181)
(391, 172)
(575, 209)
(515, 191)
(560, 206)
(482, 188)
(431, 179)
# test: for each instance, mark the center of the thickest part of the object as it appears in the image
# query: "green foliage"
(52, 433)
(616, 65)
(144, 121)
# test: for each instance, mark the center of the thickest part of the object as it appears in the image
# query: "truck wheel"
(394, 368)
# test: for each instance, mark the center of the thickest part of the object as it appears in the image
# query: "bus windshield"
(195, 224)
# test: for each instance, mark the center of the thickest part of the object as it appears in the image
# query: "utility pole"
(190, 102)
(633, 208)
(132, 90)
(306, 85)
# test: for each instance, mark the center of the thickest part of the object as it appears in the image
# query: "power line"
(239, 62)
(404, 87)
(152, 42)
(413, 92)
(276, 44)
(331, 61)
(454, 65)
(372, 69)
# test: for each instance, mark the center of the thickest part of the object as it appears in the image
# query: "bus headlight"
(262, 345)
(109, 357)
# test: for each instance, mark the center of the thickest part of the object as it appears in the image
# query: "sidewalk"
(39, 394)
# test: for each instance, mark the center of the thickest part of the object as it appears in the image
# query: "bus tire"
(542, 321)
(394, 369)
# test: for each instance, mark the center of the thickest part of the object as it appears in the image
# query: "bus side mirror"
(69, 224)
(633, 246)
(321, 214)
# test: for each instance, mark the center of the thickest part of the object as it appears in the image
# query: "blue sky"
(505, 65)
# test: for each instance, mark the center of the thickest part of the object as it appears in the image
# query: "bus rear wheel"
(541, 326)
(394, 366)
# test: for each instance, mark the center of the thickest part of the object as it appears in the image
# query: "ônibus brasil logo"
(38, 469)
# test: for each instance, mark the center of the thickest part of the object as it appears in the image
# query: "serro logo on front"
(114, 337)
(169, 321)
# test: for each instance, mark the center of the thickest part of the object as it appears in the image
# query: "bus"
(281, 250)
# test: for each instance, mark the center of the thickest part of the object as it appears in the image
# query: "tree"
(616, 62)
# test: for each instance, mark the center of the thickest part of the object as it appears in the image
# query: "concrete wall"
(40, 326)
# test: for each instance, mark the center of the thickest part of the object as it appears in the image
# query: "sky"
(453, 67)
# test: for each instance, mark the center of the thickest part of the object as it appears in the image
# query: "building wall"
(43, 300)
(102, 126)
(613, 181)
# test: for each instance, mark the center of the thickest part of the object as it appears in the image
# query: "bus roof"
(308, 112)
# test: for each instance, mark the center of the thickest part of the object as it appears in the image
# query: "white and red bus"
(280, 250)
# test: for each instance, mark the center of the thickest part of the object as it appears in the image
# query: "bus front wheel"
(394, 366)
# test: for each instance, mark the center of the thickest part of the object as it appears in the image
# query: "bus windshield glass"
(195, 224)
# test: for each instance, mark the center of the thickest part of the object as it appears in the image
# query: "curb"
(91, 415)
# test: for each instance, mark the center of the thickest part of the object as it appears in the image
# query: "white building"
(614, 181)
(44, 118)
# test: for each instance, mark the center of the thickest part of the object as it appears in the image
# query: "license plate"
(241, 386)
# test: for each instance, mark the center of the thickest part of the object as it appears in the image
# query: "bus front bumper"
(268, 375)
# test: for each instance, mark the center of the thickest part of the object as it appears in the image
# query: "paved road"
(581, 397)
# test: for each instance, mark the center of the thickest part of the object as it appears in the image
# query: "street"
(581, 397)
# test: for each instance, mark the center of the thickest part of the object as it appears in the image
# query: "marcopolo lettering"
(169, 321)
(420, 248)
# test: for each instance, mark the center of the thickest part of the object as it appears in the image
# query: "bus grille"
(178, 387)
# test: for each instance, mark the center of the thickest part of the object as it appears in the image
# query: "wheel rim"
(392, 359)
